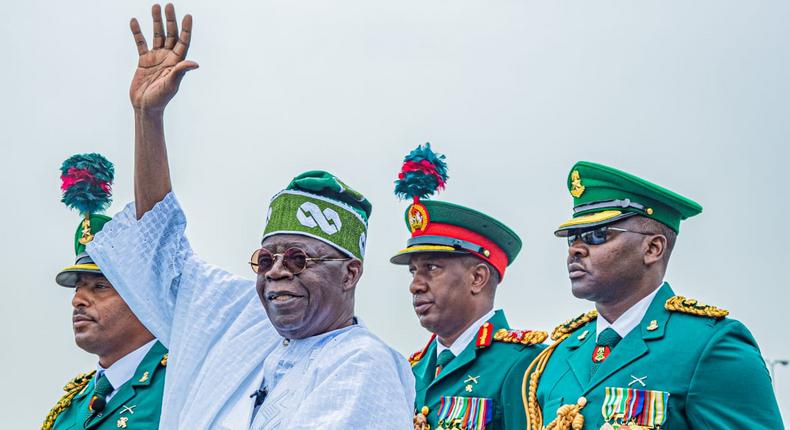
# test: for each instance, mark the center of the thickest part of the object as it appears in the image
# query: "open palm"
(160, 70)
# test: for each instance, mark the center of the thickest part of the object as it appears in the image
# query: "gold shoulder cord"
(72, 388)
(568, 416)
(693, 307)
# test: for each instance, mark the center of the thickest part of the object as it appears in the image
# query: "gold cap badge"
(87, 237)
(577, 189)
(418, 217)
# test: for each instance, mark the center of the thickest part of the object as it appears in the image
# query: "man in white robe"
(306, 362)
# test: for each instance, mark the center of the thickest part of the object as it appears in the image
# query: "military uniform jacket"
(709, 369)
(477, 372)
(136, 405)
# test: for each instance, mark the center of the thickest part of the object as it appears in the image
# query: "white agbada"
(222, 345)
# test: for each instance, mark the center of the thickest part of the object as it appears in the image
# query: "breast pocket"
(550, 409)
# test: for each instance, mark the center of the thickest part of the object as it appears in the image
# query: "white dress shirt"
(467, 336)
(219, 338)
(629, 319)
(122, 370)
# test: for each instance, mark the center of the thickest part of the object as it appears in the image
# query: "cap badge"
(418, 217)
(87, 237)
(577, 189)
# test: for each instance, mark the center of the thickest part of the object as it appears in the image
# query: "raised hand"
(160, 70)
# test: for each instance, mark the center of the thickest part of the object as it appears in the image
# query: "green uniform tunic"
(477, 373)
(136, 405)
(711, 369)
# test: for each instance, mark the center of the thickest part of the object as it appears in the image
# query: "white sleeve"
(151, 264)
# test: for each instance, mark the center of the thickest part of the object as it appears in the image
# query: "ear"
(353, 271)
(479, 275)
(655, 249)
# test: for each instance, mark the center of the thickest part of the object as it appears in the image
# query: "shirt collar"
(122, 370)
(629, 319)
(463, 340)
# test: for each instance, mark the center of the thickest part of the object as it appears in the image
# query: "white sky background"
(692, 95)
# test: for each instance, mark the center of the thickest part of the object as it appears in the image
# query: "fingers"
(172, 26)
(186, 35)
(139, 39)
(159, 28)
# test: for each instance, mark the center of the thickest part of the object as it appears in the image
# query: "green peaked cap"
(84, 264)
(96, 224)
(603, 194)
(476, 221)
(318, 204)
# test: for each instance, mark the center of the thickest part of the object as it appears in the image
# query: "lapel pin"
(122, 422)
(468, 388)
(144, 377)
(635, 379)
(652, 326)
(583, 335)
(472, 379)
(129, 409)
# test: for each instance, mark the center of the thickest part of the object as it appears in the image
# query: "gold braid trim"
(693, 307)
(571, 325)
(568, 416)
(72, 388)
(524, 337)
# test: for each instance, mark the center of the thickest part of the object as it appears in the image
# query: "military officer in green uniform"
(644, 358)
(457, 257)
(125, 390)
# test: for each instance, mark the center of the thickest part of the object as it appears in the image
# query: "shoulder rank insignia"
(565, 329)
(417, 356)
(693, 307)
(484, 335)
(524, 337)
(72, 388)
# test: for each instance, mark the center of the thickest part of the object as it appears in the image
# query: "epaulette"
(72, 388)
(524, 337)
(569, 326)
(417, 356)
(693, 307)
(163, 362)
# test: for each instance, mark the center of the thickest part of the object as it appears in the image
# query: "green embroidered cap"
(603, 194)
(319, 205)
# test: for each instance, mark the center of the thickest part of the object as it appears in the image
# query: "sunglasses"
(294, 259)
(598, 235)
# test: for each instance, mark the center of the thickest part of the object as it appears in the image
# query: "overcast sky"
(691, 95)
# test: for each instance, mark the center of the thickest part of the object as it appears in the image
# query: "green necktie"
(98, 400)
(607, 340)
(444, 357)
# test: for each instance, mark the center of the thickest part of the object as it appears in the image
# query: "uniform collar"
(629, 319)
(122, 370)
(466, 337)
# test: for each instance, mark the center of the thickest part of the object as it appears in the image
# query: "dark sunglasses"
(294, 259)
(598, 235)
